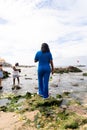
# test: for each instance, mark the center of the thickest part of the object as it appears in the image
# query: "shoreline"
(19, 111)
(59, 83)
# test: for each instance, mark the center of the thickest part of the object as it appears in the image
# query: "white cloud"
(28, 23)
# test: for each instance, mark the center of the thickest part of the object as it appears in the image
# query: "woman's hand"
(52, 71)
(52, 66)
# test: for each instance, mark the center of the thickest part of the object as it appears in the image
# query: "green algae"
(72, 125)
(73, 102)
(58, 96)
(65, 94)
(84, 74)
(67, 70)
(51, 115)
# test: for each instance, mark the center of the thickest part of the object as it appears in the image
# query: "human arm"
(51, 63)
(52, 66)
(36, 57)
(15, 69)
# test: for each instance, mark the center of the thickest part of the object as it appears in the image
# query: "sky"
(26, 24)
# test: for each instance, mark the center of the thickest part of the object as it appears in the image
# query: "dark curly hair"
(45, 47)
(16, 64)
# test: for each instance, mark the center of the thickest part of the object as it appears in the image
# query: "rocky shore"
(31, 112)
(66, 108)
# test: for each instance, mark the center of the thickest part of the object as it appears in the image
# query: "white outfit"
(15, 74)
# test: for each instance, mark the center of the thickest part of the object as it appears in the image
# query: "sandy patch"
(78, 109)
(14, 121)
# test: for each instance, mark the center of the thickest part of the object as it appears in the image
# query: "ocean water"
(75, 83)
(80, 60)
(28, 79)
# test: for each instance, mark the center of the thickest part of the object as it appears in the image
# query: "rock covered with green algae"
(51, 115)
(67, 69)
(6, 74)
(84, 74)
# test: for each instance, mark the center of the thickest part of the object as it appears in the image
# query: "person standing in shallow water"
(16, 75)
(45, 67)
(1, 76)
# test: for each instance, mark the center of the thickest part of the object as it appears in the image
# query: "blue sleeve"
(36, 57)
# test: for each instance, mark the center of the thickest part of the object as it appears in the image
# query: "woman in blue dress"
(45, 66)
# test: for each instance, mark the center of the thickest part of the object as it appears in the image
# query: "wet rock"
(84, 74)
(60, 70)
(50, 102)
(63, 107)
(66, 93)
(74, 69)
(75, 84)
(58, 96)
(54, 85)
(82, 79)
(28, 78)
(73, 125)
(36, 87)
(67, 70)
(28, 95)
(3, 102)
(6, 74)
(3, 108)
